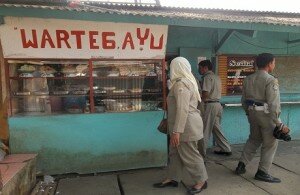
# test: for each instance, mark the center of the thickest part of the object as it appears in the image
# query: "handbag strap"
(164, 116)
(165, 111)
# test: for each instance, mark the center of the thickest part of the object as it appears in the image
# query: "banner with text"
(70, 39)
(238, 68)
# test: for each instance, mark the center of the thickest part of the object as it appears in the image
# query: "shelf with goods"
(51, 78)
(126, 85)
(48, 87)
(124, 77)
(127, 95)
(49, 95)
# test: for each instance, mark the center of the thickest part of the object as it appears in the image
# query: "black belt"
(212, 101)
(253, 103)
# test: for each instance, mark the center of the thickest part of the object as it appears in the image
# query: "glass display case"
(81, 86)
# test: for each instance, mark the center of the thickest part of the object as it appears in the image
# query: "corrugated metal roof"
(237, 16)
(99, 3)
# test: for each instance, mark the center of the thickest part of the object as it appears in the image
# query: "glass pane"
(127, 86)
(49, 87)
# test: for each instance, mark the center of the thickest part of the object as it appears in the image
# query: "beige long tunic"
(183, 115)
(184, 118)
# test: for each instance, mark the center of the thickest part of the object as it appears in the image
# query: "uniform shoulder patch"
(180, 90)
(275, 84)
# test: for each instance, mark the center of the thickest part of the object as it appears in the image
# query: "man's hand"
(285, 129)
(204, 96)
(174, 141)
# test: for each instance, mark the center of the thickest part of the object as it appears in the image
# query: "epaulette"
(273, 76)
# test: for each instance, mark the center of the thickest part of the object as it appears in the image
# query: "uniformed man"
(261, 102)
(211, 95)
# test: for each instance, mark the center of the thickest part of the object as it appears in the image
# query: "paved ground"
(222, 179)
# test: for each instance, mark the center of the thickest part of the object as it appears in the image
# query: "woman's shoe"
(194, 190)
(171, 183)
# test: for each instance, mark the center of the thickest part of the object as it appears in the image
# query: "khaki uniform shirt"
(183, 115)
(263, 88)
(212, 84)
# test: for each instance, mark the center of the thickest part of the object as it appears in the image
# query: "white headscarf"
(181, 68)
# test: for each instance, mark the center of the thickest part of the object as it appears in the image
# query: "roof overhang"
(275, 22)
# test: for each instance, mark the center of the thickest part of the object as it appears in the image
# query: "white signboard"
(70, 39)
(201, 58)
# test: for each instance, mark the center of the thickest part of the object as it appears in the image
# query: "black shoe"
(241, 168)
(171, 183)
(195, 190)
(262, 176)
(223, 153)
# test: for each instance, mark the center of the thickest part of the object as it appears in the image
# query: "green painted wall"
(190, 53)
(196, 42)
(189, 37)
(237, 43)
(272, 42)
(90, 143)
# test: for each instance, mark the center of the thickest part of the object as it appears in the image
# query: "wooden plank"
(222, 72)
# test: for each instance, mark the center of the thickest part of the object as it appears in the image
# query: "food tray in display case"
(98, 91)
(79, 92)
(60, 92)
(150, 105)
(135, 90)
(22, 93)
(120, 105)
(26, 68)
(40, 93)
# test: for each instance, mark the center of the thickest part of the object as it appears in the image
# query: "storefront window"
(42, 87)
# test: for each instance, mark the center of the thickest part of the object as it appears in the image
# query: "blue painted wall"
(236, 126)
(91, 142)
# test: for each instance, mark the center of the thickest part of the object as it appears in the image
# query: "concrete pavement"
(222, 179)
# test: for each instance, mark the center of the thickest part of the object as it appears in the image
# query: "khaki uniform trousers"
(212, 124)
(261, 134)
(187, 156)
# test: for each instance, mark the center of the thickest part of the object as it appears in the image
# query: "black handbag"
(163, 125)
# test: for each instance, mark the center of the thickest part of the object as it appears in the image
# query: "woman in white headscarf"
(185, 128)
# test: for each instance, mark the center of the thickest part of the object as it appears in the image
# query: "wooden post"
(3, 101)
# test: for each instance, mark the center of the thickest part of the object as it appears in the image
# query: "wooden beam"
(223, 40)
(4, 132)
(249, 33)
